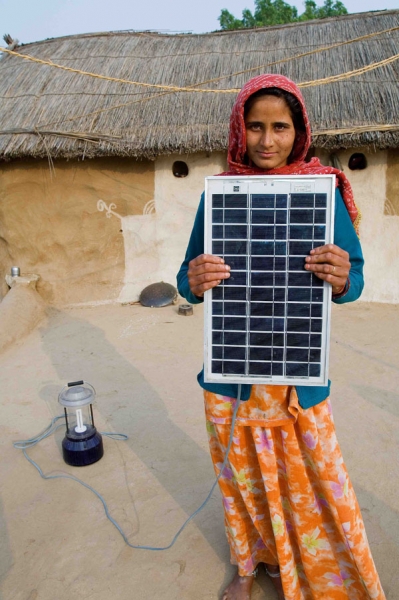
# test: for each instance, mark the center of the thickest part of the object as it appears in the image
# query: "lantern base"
(80, 453)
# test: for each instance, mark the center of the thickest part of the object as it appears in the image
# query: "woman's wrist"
(342, 291)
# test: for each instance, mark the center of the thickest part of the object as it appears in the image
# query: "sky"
(34, 20)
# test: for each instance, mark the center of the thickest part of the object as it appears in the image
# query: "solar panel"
(270, 321)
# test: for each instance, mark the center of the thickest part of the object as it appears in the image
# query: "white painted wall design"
(155, 243)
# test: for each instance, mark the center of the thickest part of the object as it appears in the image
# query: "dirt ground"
(56, 543)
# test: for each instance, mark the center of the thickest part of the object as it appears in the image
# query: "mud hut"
(105, 140)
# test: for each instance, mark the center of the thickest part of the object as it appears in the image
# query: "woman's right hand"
(205, 272)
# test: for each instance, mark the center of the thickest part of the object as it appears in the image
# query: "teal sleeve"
(195, 248)
(346, 238)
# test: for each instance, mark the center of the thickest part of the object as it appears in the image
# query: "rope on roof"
(296, 56)
(87, 136)
(158, 86)
(169, 88)
(349, 74)
(356, 130)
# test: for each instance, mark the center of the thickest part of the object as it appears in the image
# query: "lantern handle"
(72, 383)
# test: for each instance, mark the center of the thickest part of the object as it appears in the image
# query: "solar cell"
(269, 322)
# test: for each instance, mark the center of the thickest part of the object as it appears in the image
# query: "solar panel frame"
(266, 251)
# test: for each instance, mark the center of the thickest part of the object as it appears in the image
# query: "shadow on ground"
(384, 399)
(79, 350)
(6, 560)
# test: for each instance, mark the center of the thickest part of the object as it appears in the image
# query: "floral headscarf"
(237, 143)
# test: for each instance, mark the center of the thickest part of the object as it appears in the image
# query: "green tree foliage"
(277, 12)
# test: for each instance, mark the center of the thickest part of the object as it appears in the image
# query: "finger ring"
(333, 269)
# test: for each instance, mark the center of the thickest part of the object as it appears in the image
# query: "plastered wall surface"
(156, 243)
(379, 232)
(391, 206)
(54, 224)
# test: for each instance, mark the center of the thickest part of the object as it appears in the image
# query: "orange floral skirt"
(287, 496)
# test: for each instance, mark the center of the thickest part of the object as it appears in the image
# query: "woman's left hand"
(331, 264)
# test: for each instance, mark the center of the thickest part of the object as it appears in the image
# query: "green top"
(344, 236)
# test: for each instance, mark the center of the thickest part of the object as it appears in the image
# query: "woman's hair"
(290, 100)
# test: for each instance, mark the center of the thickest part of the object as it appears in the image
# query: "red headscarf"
(297, 166)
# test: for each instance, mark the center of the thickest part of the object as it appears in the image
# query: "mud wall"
(373, 189)
(57, 223)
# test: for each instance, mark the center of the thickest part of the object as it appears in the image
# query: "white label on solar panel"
(270, 321)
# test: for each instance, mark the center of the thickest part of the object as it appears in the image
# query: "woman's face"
(270, 132)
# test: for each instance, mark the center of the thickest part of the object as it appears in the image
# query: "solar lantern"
(82, 444)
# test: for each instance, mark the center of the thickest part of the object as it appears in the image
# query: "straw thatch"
(45, 111)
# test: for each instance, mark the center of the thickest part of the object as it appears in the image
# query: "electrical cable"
(52, 428)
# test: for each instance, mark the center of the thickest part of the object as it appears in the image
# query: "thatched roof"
(46, 111)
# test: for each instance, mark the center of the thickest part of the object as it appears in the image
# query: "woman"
(287, 498)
